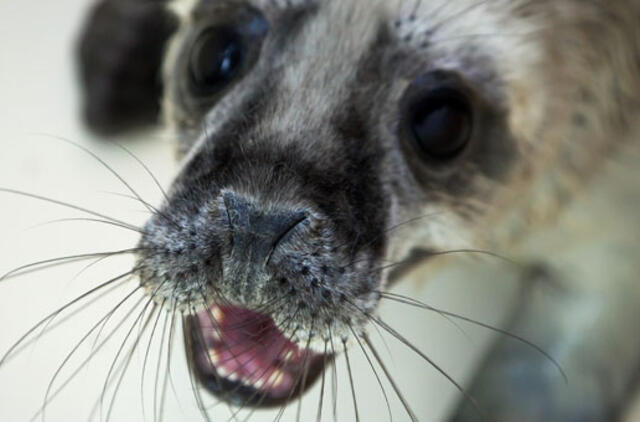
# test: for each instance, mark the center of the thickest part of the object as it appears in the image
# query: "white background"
(38, 95)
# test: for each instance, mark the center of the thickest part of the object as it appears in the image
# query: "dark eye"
(440, 123)
(216, 59)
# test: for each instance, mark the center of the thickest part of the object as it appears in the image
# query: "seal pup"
(322, 140)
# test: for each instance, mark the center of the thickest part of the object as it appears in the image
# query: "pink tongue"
(246, 346)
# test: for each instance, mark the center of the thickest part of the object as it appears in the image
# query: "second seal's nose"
(256, 230)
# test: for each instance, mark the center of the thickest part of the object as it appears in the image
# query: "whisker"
(168, 378)
(195, 387)
(29, 268)
(96, 341)
(146, 168)
(392, 228)
(433, 254)
(459, 37)
(88, 220)
(321, 402)
(334, 379)
(284, 407)
(427, 359)
(384, 341)
(293, 390)
(122, 366)
(447, 318)
(120, 349)
(124, 342)
(56, 312)
(280, 414)
(146, 204)
(71, 377)
(235, 357)
(458, 15)
(92, 264)
(245, 324)
(479, 252)
(130, 355)
(278, 367)
(146, 357)
(422, 305)
(395, 387)
(305, 374)
(216, 327)
(49, 326)
(353, 389)
(366, 355)
(71, 206)
(77, 346)
(115, 173)
(158, 367)
(416, 6)
(170, 354)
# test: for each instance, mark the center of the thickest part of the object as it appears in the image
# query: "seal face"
(308, 137)
(327, 143)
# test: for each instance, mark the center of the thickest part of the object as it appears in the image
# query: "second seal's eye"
(216, 59)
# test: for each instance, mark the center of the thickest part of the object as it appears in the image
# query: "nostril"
(298, 219)
(256, 229)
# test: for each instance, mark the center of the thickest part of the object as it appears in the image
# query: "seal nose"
(256, 230)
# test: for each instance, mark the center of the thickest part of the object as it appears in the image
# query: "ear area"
(120, 58)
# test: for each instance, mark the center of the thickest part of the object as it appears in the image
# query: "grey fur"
(314, 126)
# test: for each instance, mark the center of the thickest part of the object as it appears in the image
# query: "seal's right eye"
(220, 53)
(216, 59)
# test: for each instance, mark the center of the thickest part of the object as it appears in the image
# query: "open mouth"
(242, 357)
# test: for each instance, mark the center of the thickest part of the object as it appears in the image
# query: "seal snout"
(253, 233)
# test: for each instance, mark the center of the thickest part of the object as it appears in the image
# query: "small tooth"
(233, 377)
(215, 357)
(259, 383)
(276, 378)
(217, 313)
(288, 356)
(222, 372)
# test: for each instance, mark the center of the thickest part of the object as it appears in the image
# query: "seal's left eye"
(216, 59)
(440, 123)
(437, 117)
